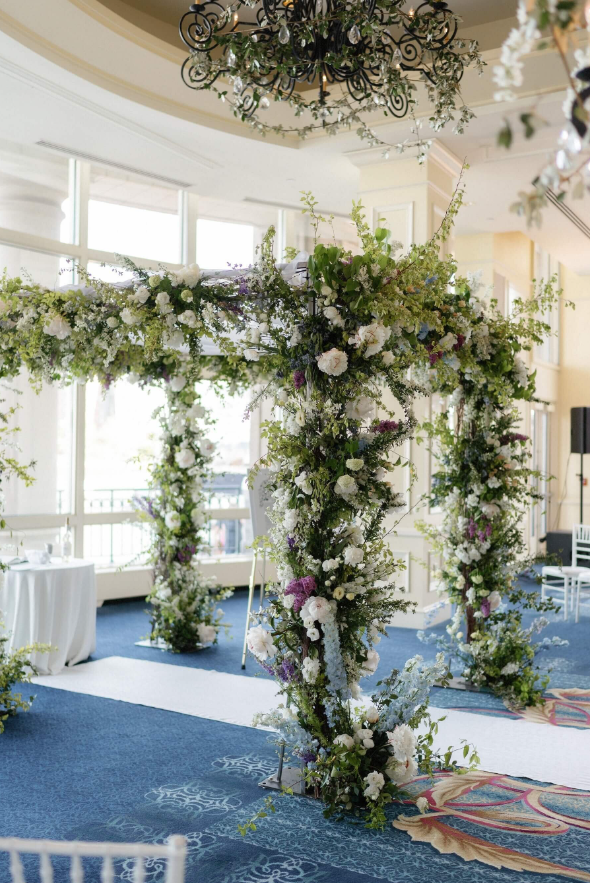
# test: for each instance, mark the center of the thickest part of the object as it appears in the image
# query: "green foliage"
(15, 668)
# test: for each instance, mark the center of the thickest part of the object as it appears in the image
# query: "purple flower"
(460, 341)
(471, 528)
(485, 608)
(435, 356)
(302, 589)
(287, 671)
(488, 529)
(243, 288)
(184, 555)
(291, 543)
(308, 756)
(513, 437)
(385, 426)
(298, 379)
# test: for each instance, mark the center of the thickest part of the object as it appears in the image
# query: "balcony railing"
(128, 541)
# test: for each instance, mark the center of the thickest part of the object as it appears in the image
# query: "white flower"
(187, 276)
(402, 742)
(344, 739)
(188, 318)
(346, 486)
(422, 804)
(510, 668)
(186, 295)
(112, 321)
(355, 464)
(207, 633)
(129, 318)
(58, 327)
(251, 355)
(316, 608)
(401, 773)
(387, 358)
(373, 337)
(371, 662)
(253, 334)
(172, 520)
(495, 599)
(142, 294)
(173, 340)
(333, 362)
(196, 411)
(295, 338)
(313, 634)
(289, 601)
(353, 555)
(330, 564)
(260, 643)
(372, 714)
(375, 783)
(177, 383)
(290, 519)
(448, 341)
(163, 302)
(490, 509)
(333, 316)
(360, 408)
(300, 417)
(184, 458)
(310, 667)
(197, 517)
(303, 483)
(207, 447)
(154, 281)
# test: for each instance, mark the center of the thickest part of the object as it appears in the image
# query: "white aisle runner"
(559, 755)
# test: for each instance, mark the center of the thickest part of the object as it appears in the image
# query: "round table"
(51, 604)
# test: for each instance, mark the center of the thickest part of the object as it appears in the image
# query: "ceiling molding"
(62, 94)
(166, 105)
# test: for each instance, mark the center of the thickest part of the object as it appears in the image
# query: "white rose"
(290, 519)
(251, 355)
(185, 458)
(346, 486)
(373, 338)
(207, 633)
(311, 667)
(360, 408)
(495, 600)
(177, 383)
(344, 739)
(58, 327)
(163, 302)
(142, 294)
(295, 338)
(260, 643)
(313, 634)
(187, 275)
(353, 555)
(387, 358)
(172, 520)
(330, 564)
(196, 411)
(188, 318)
(333, 362)
(207, 447)
(372, 714)
(375, 784)
(112, 321)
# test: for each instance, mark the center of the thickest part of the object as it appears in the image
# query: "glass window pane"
(221, 244)
(35, 191)
(131, 217)
(121, 438)
(108, 272)
(46, 436)
(45, 269)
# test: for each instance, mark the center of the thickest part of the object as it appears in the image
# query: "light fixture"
(371, 54)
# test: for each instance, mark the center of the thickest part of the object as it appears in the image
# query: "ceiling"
(161, 17)
(46, 97)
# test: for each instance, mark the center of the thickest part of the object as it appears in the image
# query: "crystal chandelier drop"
(329, 59)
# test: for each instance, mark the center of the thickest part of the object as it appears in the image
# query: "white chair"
(260, 502)
(174, 851)
(566, 580)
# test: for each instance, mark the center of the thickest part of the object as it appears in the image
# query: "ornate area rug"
(564, 706)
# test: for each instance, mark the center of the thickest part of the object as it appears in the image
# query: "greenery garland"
(484, 485)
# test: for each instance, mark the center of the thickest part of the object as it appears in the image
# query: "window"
(221, 244)
(129, 217)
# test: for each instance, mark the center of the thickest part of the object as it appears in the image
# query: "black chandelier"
(333, 59)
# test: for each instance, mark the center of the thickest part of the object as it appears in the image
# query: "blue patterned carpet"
(80, 767)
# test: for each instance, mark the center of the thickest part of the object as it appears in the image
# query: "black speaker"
(580, 426)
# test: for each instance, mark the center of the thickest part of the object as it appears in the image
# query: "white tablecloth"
(51, 604)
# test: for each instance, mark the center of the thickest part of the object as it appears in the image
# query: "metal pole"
(250, 599)
(581, 488)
